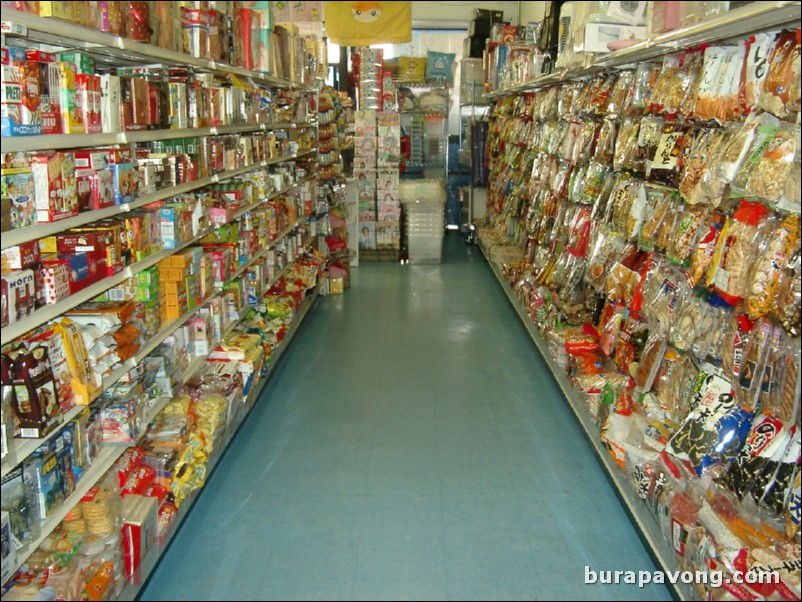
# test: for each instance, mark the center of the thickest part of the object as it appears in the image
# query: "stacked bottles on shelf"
(648, 218)
(229, 32)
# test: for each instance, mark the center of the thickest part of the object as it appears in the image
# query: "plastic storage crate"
(424, 204)
(425, 224)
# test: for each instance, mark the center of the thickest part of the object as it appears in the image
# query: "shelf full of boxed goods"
(645, 223)
(157, 212)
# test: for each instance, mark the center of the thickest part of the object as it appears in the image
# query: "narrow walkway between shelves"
(411, 445)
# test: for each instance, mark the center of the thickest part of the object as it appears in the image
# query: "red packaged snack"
(132, 458)
(139, 481)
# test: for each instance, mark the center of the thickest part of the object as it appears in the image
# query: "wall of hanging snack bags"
(648, 219)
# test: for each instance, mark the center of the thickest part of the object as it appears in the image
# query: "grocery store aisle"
(411, 445)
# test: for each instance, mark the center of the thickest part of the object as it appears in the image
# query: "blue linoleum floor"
(411, 445)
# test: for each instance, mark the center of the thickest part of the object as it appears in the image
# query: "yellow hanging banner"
(366, 23)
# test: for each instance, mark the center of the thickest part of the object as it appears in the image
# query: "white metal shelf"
(151, 559)
(636, 508)
(105, 460)
(64, 141)
(109, 454)
(752, 18)
(35, 232)
(120, 51)
(19, 449)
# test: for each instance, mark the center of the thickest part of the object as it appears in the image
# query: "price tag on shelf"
(12, 28)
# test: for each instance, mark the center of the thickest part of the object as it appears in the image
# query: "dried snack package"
(703, 146)
(585, 143)
(617, 100)
(626, 143)
(780, 91)
(788, 301)
(734, 152)
(730, 92)
(609, 325)
(605, 143)
(670, 383)
(758, 55)
(768, 437)
(778, 243)
(620, 203)
(792, 194)
(779, 364)
(663, 165)
(624, 279)
(659, 207)
(566, 96)
(716, 427)
(749, 383)
(689, 318)
(773, 168)
(605, 247)
(778, 482)
(642, 87)
(664, 291)
(649, 362)
(631, 341)
(705, 247)
(593, 183)
(668, 78)
(713, 75)
(706, 331)
(692, 78)
(688, 227)
(735, 251)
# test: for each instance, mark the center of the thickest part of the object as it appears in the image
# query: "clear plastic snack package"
(617, 101)
(689, 319)
(659, 207)
(759, 50)
(779, 242)
(699, 151)
(640, 92)
(585, 143)
(687, 229)
(705, 248)
(671, 383)
(749, 383)
(605, 247)
(664, 159)
(604, 152)
(668, 78)
(649, 361)
(738, 147)
(735, 252)
(773, 165)
(787, 302)
(716, 427)
(711, 79)
(626, 144)
(593, 183)
(768, 437)
(780, 93)
(566, 96)
(777, 396)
